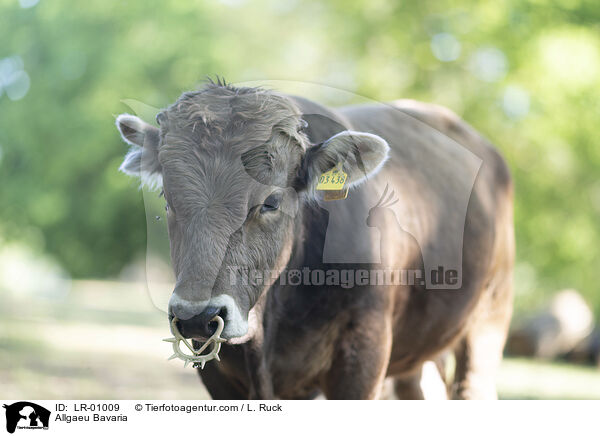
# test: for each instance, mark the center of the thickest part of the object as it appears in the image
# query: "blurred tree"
(525, 73)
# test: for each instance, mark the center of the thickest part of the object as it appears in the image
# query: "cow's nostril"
(201, 325)
(178, 325)
(212, 327)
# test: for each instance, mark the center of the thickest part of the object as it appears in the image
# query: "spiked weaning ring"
(197, 358)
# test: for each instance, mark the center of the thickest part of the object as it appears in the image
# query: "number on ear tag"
(332, 180)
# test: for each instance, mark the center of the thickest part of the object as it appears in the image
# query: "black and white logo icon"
(26, 415)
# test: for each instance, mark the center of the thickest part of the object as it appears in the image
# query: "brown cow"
(239, 169)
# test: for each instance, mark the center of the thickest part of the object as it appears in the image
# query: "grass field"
(103, 341)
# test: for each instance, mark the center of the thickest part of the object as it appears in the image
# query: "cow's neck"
(278, 300)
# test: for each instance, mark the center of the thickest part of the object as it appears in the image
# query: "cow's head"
(234, 164)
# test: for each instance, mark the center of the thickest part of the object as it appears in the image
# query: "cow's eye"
(271, 203)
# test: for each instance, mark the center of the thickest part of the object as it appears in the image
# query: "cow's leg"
(360, 362)
(478, 356)
(479, 352)
(408, 387)
(428, 382)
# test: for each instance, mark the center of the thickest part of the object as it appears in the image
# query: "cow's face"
(234, 164)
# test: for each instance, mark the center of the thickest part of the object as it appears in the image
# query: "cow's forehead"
(217, 178)
(210, 162)
(206, 174)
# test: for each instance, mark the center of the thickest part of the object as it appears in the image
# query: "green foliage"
(525, 73)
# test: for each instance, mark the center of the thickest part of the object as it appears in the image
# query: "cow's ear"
(358, 154)
(142, 159)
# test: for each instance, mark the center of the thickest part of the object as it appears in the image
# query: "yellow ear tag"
(332, 182)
